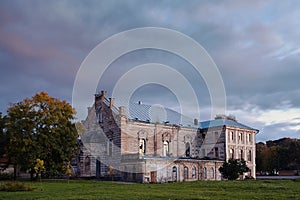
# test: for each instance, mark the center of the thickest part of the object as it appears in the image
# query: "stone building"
(144, 143)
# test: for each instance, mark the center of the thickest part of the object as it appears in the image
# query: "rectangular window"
(241, 154)
(231, 153)
(232, 136)
(249, 155)
(240, 137)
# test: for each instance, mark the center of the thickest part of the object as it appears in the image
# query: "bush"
(6, 176)
(15, 186)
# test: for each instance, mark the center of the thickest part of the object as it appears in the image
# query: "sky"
(254, 44)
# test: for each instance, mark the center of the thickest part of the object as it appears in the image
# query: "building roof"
(223, 122)
(156, 114)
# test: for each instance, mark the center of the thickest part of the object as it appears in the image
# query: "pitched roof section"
(222, 122)
(154, 114)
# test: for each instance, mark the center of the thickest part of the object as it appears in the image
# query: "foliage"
(254, 189)
(41, 127)
(4, 141)
(6, 176)
(233, 168)
(68, 170)
(15, 186)
(80, 128)
(282, 154)
(39, 168)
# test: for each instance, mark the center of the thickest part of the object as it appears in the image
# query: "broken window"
(187, 149)
(249, 155)
(186, 172)
(241, 154)
(231, 153)
(194, 172)
(87, 164)
(142, 147)
(212, 173)
(166, 148)
(174, 173)
(204, 173)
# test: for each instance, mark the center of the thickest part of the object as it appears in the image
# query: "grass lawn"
(82, 189)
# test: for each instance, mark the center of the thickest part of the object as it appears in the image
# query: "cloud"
(255, 45)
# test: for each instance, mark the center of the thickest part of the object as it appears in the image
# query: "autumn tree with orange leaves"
(41, 128)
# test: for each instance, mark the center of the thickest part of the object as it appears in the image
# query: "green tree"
(233, 168)
(4, 140)
(41, 127)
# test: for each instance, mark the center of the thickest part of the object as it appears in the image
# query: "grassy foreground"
(259, 189)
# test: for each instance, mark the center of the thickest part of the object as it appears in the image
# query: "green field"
(259, 189)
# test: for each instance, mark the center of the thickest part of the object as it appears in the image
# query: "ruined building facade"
(133, 144)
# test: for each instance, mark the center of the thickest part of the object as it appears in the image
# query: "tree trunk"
(15, 172)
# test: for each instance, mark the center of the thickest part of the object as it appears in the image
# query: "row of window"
(240, 137)
(240, 154)
(166, 148)
(194, 175)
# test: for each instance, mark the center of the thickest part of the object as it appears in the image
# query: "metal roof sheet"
(222, 122)
(148, 113)
(143, 112)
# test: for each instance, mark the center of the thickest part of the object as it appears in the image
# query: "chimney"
(111, 102)
(103, 94)
(122, 110)
(196, 122)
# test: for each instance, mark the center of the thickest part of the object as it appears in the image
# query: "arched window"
(249, 155)
(174, 173)
(204, 173)
(166, 148)
(194, 172)
(87, 164)
(186, 172)
(187, 149)
(142, 147)
(212, 173)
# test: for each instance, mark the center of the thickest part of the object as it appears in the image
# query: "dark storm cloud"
(255, 45)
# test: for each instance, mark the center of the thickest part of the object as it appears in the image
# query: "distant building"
(142, 147)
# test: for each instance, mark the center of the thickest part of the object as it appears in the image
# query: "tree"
(4, 140)
(276, 155)
(39, 168)
(41, 127)
(233, 168)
